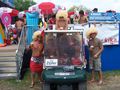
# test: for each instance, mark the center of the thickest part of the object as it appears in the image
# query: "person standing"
(95, 49)
(82, 19)
(36, 62)
(62, 20)
(19, 25)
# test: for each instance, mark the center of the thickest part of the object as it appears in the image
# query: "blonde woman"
(62, 20)
(36, 62)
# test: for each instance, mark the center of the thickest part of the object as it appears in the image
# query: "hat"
(91, 30)
(36, 34)
(62, 13)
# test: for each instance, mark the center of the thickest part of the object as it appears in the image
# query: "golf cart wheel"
(82, 85)
(79, 86)
(46, 86)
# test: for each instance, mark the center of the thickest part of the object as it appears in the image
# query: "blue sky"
(102, 5)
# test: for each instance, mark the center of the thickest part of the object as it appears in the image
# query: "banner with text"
(108, 33)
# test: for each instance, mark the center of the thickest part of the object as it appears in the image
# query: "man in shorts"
(95, 50)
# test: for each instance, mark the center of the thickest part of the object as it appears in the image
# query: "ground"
(111, 82)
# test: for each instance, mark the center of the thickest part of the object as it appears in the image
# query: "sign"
(108, 33)
(64, 73)
(6, 19)
(103, 16)
(51, 62)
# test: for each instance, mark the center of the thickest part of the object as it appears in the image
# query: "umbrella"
(47, 7)
(71, 13)
(12, 12)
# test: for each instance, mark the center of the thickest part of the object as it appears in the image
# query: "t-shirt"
(96, 45)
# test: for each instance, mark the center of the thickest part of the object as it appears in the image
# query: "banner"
(104, 16)
(108, 33)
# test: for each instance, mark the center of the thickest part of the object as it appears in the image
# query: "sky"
(102, 5)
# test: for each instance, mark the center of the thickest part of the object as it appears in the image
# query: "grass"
(106, 74)
(13, 84)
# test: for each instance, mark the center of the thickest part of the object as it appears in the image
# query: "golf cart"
(64, 60)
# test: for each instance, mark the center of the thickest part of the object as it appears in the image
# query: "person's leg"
(98, 69)
(33, 79)
(93, 75)
(40, 78)
(91, 62)
(100, 77)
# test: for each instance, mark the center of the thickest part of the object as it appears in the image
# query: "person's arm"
(66, 23)
(100, 51)
(15, 24)
(86, 19)
(57, 25)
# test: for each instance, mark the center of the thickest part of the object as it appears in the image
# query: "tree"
(22, 5)
(78, 8)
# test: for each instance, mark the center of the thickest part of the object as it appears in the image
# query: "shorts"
(19, 32)
(95, 64)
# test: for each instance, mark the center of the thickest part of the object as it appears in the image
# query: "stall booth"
(108, 27)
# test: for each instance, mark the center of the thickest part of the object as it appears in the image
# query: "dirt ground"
(111, 82)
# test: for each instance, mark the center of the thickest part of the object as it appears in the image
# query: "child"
(95, 50)
(36, 62)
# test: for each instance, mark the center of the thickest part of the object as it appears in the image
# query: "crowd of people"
(77, 19)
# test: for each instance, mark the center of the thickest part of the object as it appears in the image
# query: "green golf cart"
(64, 60)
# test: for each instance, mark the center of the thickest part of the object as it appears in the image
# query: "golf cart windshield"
(63, 48)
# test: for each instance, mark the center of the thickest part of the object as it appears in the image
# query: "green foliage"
(22, 5)
(78, 8)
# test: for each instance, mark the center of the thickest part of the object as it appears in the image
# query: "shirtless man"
(19, 24)
(83, 19)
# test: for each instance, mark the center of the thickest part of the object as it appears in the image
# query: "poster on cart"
(108, 33)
